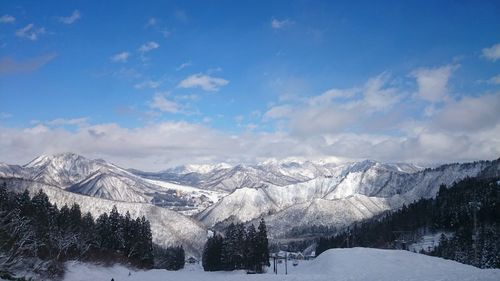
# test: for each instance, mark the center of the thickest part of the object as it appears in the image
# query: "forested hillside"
(37, 234)
(469, 210)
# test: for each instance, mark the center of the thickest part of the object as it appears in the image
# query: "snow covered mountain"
(349, 193)
(228, 178)
(294, 197)
(98, 178)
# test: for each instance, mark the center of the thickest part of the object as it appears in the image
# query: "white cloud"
(157, 146)
(279, 24)
(63, 122)
(377, 95)
(183, 65)
(277, 112)
(149, 46)
(5, 115)
(72, 18)
(166, 33)
(492, 53)
(495, 80)
(148, 84)
(205, 82)
(181, 15)
(163, 104)
(470, 114)
(433, 82)
(120, 57)
(330, 95)
(30, 32)
(340, 110)
(152, 22)
(7, 19)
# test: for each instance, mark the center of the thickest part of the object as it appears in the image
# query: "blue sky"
(161, 83)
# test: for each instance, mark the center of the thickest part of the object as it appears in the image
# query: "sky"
(155, 84)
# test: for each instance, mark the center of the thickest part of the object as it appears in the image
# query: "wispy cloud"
(181, 15)
(183, 65)
(7, 19)
(10, 66)
(149, 46)
(205, 82)
(148, 84)
(5, 115)
(72, 18)
(152, 22)
(120, 57)
(162, 103)
(495, 80)
(279, 24)
(492, 53)
(65, 122)
(279, 111)
(30, 32)
(166, 33)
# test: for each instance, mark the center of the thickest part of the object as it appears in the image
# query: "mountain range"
(295, 198)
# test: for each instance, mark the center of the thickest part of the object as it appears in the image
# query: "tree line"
(452, 211)
(237, 248)
(32, 228)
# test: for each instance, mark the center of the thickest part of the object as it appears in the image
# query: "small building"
(310, 257)
(299, 256)
(191, 260)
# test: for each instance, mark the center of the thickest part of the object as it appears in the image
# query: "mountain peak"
(58, 157)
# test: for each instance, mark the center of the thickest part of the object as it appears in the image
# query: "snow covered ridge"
(98, 178)
(348, 194)
(228, 178)
(354, 264)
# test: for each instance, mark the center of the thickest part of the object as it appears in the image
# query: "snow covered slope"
(298, 219)
(168, 227)
(385, 186)
(355, 264)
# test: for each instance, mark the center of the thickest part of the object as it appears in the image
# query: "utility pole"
(286, 263)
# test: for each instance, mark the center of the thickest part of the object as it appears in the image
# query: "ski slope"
(357, 264)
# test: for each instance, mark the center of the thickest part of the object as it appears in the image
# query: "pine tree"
(146, 244)
(103, 232)
(212, 254)
(262, 247)
(116, 228)
(251, 248)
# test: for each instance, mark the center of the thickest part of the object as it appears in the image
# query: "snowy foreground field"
(358, 264)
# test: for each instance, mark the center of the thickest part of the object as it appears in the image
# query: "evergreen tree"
(262, 247)
(212, 254)
(251, 248)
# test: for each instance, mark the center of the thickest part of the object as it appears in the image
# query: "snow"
(356, 264)
(214, 196)
(428, 242)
